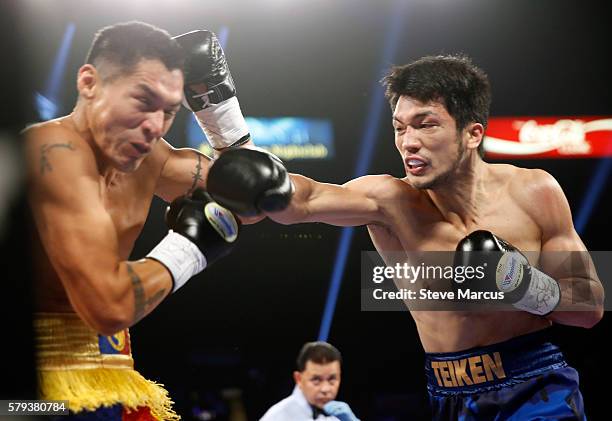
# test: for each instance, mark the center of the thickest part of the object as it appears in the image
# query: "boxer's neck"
(459, 200)
(78, 122)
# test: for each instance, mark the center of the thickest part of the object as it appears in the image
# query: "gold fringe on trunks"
(70, 367)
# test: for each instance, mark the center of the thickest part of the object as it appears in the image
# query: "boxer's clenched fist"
(201, 232)
(250, 181)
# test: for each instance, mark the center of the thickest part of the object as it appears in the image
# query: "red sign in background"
(549, 137)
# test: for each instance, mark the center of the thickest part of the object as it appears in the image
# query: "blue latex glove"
(340, 410)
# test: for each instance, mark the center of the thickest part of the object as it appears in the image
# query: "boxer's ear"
(87, 80)
(473, 134)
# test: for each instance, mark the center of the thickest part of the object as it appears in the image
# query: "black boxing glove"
(249, 181)
(201, 232)
(210, 92)
(506, 270)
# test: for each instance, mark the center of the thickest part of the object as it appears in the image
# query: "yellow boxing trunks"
(91, 371)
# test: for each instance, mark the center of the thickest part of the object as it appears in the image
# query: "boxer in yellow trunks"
(92, 176)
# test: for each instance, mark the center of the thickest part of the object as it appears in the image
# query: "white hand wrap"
(182, 258)
(542, 296)
(223, 123)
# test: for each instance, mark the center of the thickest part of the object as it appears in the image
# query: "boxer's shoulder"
(533, 185)
(55, 153)
(523, 183)
(382, 187)
(539, 194)
(54, 134)
(58, 126)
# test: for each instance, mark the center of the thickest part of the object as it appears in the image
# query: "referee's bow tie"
(316, 412)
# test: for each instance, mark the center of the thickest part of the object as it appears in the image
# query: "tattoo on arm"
(156, 298)
(139, 295)
(197, 175)
(45, 165)
(142, 304)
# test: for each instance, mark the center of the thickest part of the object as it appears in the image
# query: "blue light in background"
(287, 137)
(290, 131)
(602, 172)
(46, 103)
(368, 140)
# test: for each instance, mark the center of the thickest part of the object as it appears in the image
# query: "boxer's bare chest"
(423, 227)
(127, 199)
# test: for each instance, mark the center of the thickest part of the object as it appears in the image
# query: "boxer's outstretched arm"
(351, 204)
(80, 239)
(563, 255)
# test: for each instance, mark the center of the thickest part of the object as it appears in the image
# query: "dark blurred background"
(228, 340)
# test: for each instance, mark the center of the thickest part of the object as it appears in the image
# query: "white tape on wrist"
(223, 123)
(182, 258)
(542, 296)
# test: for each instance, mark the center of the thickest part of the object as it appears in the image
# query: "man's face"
(128, 114)
(319, 382)
(427, 139)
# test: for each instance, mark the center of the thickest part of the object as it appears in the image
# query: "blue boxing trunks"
(524, 378)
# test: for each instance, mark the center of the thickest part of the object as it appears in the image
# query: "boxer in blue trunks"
(452, 200)
(523, 378)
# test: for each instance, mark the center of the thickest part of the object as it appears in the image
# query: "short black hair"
(125, 44)
(318, 352)
(454, 80)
